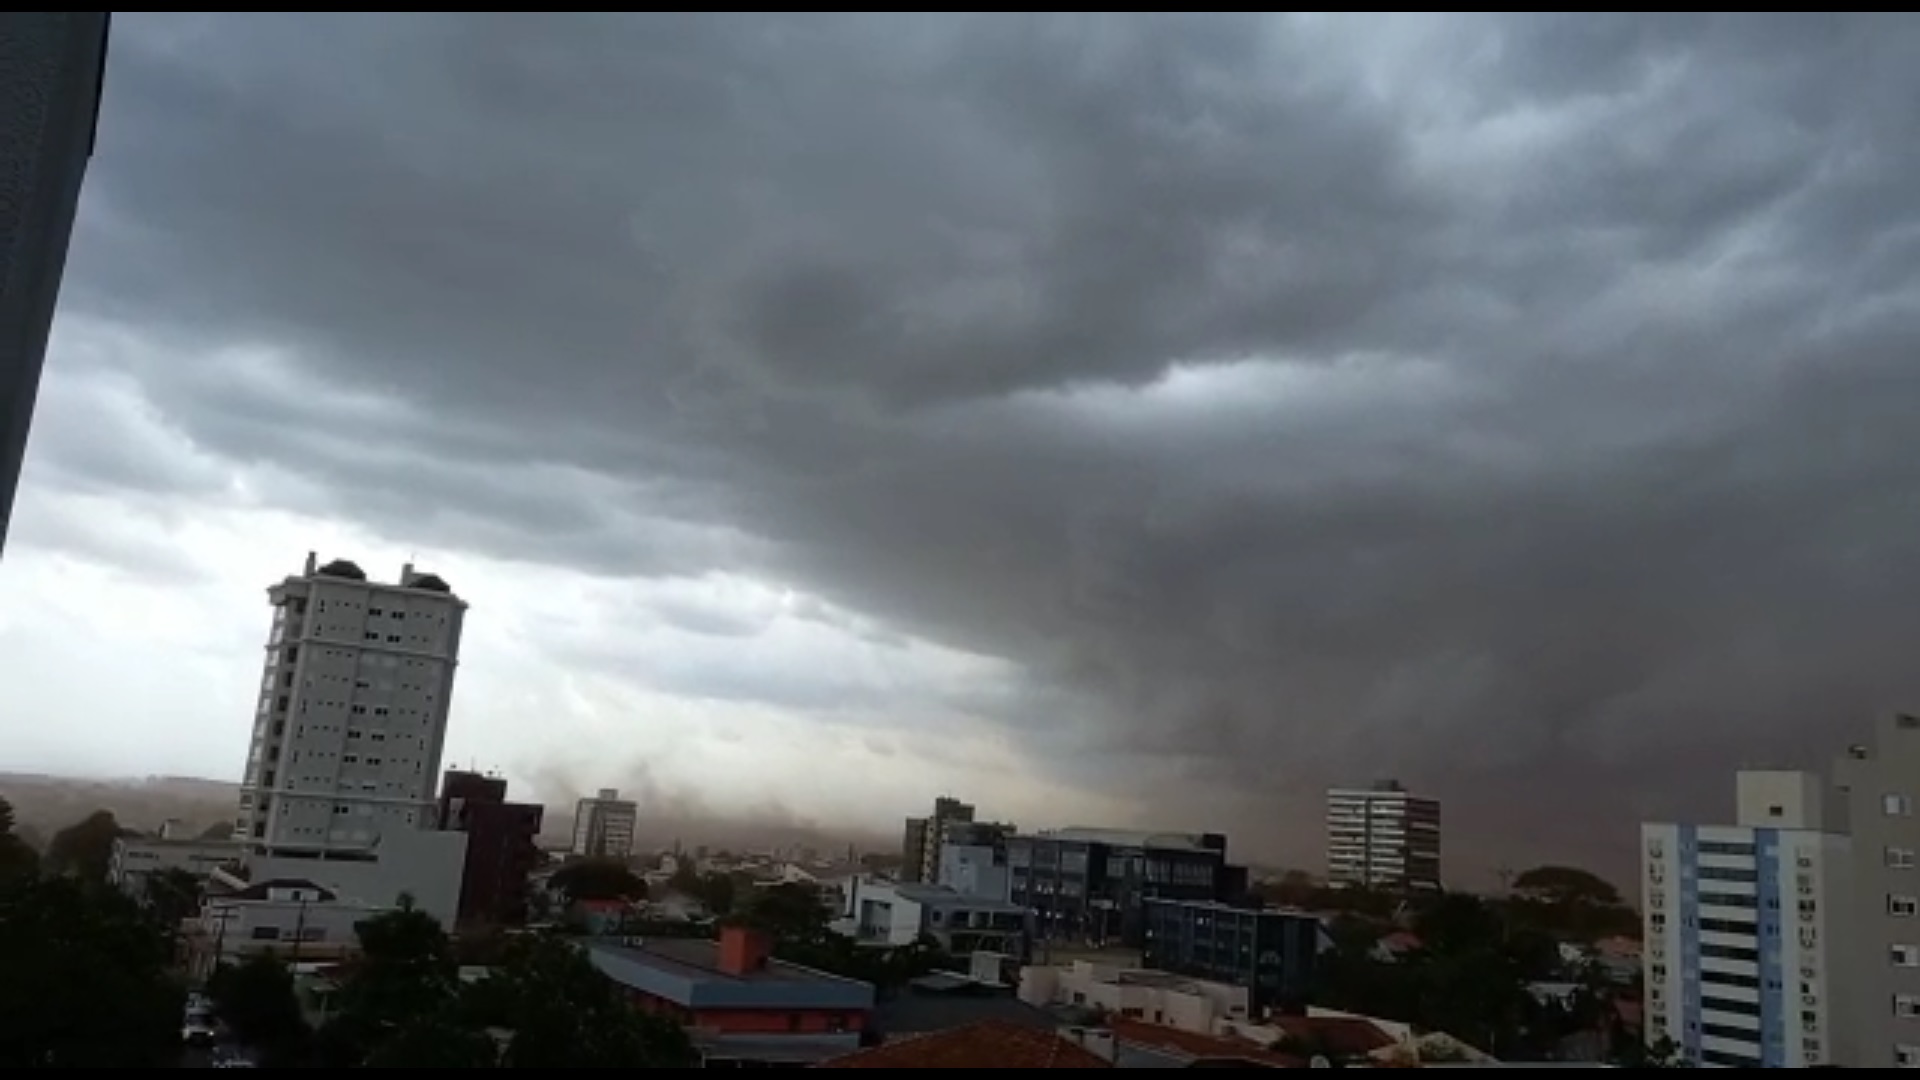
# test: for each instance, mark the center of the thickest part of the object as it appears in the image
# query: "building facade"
(1091, 884)
(55, 62)
(502, 846)
(296, 921)
(136, 859)
(1383, 837)
(1746, 945)
(901, 913)
(973, 860)
(603, 826)
(1272, 954)
(742, 1007)
(1180, 1002)
(352, 716)
(925, 838)
(1880, 782)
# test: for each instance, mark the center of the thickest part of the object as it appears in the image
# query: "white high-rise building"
(1881, 783)
(603, 826)
(352, 716)
(1383, 837)
(1747, 949)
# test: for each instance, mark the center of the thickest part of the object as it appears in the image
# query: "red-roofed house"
(1192, 1049)
(991, 1044)
(742, 1006)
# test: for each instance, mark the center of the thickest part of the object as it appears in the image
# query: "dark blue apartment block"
(1271, 953)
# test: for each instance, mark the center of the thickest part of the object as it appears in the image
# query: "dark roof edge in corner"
(100, 79)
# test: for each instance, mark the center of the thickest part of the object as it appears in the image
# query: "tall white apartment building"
(1383, 837)
(1746, 947)
(352, 717)
(603, 826)
(1881, 783)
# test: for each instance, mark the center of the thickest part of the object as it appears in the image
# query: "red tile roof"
(1401, 940)
(1193, 1045)
(991, 1044)
(1341, 1036)
(1617, 946)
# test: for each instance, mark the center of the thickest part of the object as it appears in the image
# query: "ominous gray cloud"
(1520, 405)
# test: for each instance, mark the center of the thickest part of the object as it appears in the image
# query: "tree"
(788, 912)
(1663, 1053)
(562, 1013)
(85, 848)
(87, 982)
(257, 1001)
(438, 1041)
(405, 975)
(172, 895)
(1566, 885)
(717, 893)
(598, 879)
(17, 857)
(1455, 922)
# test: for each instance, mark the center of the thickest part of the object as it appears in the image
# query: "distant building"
(973, 860)
(1745, 937)
(1880, 786)
(135, 859)
(1092, 884)
(1272, 954)
(1383, 837)
(49, 106)
(603, 826)
(502, 846)
(901, 913)
(741, 1006)
(921, 844)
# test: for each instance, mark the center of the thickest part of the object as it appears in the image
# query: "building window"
(1906, 1006)
(1906, 1055)
(1904, 955)
(1898, 858)
(1896, 805)
(1904, 907)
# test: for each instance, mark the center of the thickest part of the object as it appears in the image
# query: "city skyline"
(1149, 421)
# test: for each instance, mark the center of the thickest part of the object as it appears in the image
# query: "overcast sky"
(1124, 420)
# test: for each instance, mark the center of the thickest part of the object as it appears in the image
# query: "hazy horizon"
(1145, 420)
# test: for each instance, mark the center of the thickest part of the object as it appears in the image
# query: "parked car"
(198, 1030)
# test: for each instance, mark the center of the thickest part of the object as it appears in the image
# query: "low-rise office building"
(135, 859)
(425, 866)
(1273, 954)
(741, 1006)
(973, 859)
(898, 913)
(1154, 997)
(295, 920)
(1091, 884)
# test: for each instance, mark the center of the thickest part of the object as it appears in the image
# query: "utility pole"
(299, 929)
(220, 938)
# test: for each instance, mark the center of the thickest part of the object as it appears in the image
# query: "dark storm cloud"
(1519, 405)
